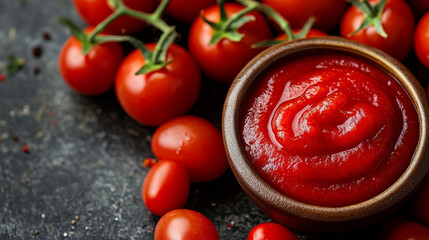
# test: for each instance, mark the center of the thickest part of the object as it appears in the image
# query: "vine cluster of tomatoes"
(159, 82)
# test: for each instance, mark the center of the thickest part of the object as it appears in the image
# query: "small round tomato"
(421, 40)
(187, 10)
(223, 60)
(297, 12)
(158, 96)
(397, 20)
(93, 73)
(95, 11)
(194, 143)
(271, 231)
(184, 224)
(420, 203)
(401, 229)
(166, 187)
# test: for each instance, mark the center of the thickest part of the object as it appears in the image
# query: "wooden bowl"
(306, 217)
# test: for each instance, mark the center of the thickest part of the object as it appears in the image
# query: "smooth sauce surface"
(328, 129)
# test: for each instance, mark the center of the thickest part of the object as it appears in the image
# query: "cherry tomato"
(166, 187)
(421, 40)
(184, 224)
(193, 142)
(156, 97)
(222, 61)
(420, 7)
(271, 231)
(93, 73)
(297, 12)
(420, 203)
(187, 10)
(397, 20)
(95, 11)
(400, 229)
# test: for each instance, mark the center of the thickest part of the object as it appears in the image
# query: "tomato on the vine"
(158, 96)
(93, 73)
(271, 231)
(297, 12)
(184, 224)
(95, 11)
(194, 143)
(166, 187)
(187, 10)
(421, 40)
(420, 203)
(223, 60)
(401, 229)
(397, 20)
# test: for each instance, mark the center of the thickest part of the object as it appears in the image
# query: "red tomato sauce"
(328, 129)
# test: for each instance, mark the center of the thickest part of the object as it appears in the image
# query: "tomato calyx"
(227, 27)
(154, 60)
(372, 15)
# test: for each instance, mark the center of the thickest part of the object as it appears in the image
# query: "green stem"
(154, 18)
(154, 60)
(159, 53)
(160, 9)
(239, 15)
(102, 25)
(271, 13)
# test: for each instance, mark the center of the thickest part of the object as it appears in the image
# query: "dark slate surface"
(85, 154)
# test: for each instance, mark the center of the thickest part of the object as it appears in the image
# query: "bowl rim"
(252, 182)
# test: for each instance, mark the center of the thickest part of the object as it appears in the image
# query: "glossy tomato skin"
(397, 20)
(187, 10)
(156, 97)
(421, 40)
(166, 187)
(271, 231)
(223, 60)
(184, 224)
(327, 12)
(93, 73)
(420, 204)
(95, 11)
(194, 143)
(401, 229)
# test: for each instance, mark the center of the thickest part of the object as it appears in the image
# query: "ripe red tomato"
(222, 61)
(194, 143)
(95, 11)
(166, 187)
(297, 12)
(400, 229)
(187, 10)
(421, 40)
(184, 224)
(397, 20)
(156, 97)
(271, 231)
(420, 203)
(93, 73)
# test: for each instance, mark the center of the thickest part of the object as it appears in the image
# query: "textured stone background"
(85, 153)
